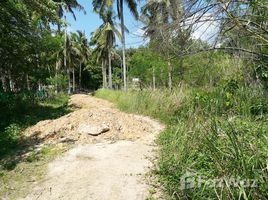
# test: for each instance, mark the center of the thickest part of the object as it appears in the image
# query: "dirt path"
(109, 166)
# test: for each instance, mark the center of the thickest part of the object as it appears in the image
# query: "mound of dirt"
(108, 170)
(93, 114)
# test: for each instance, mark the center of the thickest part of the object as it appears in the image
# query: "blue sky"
(90, 21)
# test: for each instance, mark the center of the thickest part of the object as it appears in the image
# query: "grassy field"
(216, 138)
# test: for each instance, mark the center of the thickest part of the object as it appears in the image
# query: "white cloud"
(139, 32)
(206, 28)
(69, 29)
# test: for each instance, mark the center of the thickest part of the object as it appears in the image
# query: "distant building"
(135, 80)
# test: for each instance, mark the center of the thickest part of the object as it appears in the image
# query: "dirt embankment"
(108, 166)
(94, 112)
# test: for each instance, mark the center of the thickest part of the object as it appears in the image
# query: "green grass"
(219, 133)
(19, 111)
(21, 163)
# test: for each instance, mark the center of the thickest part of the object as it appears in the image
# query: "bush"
(20, 110)
(61, 81)
(9, 137)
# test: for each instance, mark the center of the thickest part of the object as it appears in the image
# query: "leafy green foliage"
(60, 80)
(22, 110)
(142, 64)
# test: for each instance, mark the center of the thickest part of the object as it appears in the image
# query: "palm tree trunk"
(3, 80)
(66, 68)
(123, 44)
(153, 80)
(104, 78)
(69, 80)
(39, 85)
(73, 80)
(110, 71)
(169, 76)
(80, 75)
(65, 49)
(11, 84)
(56, 76)
(27, 82)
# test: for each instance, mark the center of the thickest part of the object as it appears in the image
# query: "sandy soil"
(110, 166)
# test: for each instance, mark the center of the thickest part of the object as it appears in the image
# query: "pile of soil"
(93, 112)
(112, 169)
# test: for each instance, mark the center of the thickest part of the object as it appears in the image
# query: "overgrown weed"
(217, 133)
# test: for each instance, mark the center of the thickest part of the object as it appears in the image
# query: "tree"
(72, 58)
(105, 37)
(100, 53)
(25, 23)
(100, 5)
(161, 26)
(149, 66)
(67, 5)
(82, 50)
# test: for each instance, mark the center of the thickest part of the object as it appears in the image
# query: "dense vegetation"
(217, 132)
(211, 93)
(21, 110)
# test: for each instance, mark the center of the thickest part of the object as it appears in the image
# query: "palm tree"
(58, 56)
(67, 60)
(105, 37)
(100, 5)
(69, 6)
(82, 49)
(159, 16)
(71, 59)
(100, 52)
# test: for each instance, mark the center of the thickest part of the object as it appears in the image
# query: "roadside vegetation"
(202, 71)
(22, 161)
(23, 110)
(216, 131)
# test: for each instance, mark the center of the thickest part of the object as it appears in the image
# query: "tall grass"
(162, 105)
(219, 133)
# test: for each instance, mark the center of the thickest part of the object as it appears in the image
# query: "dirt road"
(110, 166)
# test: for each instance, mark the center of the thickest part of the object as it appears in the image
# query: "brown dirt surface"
(110, 166)
(93, 111)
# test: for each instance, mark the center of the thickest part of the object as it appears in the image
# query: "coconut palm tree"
(82, 49)
(160, 17)
(101, 54)
(69, 6)
(68, 60)
(101, 5)
(105, 37)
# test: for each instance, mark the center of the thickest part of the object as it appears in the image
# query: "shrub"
(9, 137)
(20, 110)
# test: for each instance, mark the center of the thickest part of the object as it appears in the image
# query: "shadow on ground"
(13, 146)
